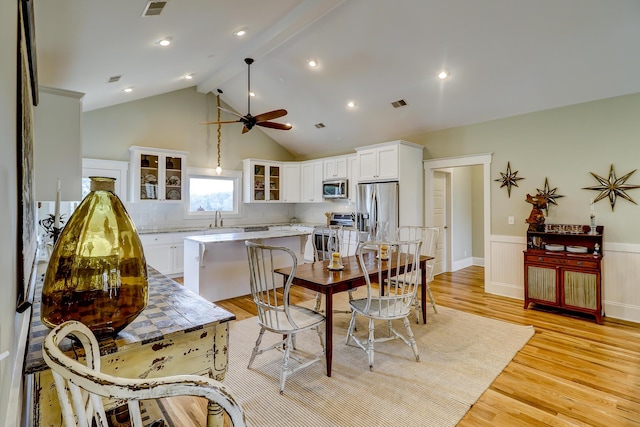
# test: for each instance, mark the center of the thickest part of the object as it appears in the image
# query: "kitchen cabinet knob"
(579, 263)
(539, 258)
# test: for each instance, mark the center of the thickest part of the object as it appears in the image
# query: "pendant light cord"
(219, 130)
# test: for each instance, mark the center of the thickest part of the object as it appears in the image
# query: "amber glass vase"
(97, 273)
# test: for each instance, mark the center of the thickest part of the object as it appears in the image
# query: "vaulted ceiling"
(504, 58)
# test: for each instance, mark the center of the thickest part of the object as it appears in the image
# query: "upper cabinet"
(378, 163)
(354, 174)
(157, 175)
(311, 179)
(262, 181)
(291, 182)
(335, 167)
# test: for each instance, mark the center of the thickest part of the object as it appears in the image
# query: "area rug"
(460, 356)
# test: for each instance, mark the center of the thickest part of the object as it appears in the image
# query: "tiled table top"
(172, 309)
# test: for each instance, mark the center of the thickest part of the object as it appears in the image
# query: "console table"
(178, 332)
(556, 275)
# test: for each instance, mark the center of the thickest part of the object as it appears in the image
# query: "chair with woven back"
(81, 386)
(275, 313)
(429, 237)
(335, 238)
(386, 300)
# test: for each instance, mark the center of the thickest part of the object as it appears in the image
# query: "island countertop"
(247, 235)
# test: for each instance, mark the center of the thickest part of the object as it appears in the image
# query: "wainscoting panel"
(507, 266)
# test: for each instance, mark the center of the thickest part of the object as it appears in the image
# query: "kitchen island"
(216, 266)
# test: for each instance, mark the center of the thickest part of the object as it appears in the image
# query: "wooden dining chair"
(86, 385)
(329, 239)
(275, 313)
(391, 302)
(429, 237)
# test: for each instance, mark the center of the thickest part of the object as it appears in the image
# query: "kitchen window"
(209, 192)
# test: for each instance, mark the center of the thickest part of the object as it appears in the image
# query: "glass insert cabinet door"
(157, 175)
(264, 184)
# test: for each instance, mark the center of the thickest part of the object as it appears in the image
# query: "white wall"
(9, 321)
(57, 150)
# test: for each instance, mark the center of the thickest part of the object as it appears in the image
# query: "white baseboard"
(462, 263)
(617, 310)
(478, 261)
(505, 289)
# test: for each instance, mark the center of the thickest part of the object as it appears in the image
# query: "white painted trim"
(478, 261)
(621, 247)
(621, 311)
(483, 159)
(461, 263)
(390, 143)
(14, 395)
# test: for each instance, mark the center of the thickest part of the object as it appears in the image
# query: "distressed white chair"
(335, 238)
(390, 302)
(275, 313)
(86, 385)
(429, 237)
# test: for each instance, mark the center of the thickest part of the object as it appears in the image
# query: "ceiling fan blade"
(270, 115)
(274, 125)
(231, 112)
(215, 123)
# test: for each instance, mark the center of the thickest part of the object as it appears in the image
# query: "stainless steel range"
(321, 240)
(343, 219)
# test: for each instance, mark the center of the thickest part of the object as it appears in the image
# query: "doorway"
(436, 181)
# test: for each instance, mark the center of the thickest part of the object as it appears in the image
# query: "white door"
(439, 218)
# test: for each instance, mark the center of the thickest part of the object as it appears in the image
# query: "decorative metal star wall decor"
(612, 187)
(509, 179)
(549, 193)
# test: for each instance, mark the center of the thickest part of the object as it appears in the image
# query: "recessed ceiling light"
(443, 75)
(312, 63)
(240, 33)
(188, 76)
(164, 42)
(128, 90)
(351, 104)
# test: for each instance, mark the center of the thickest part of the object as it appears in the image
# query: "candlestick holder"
(592, 228)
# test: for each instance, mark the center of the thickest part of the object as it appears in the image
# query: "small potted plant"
(48, 224)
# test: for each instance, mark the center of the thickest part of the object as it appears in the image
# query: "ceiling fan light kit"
(250, 121)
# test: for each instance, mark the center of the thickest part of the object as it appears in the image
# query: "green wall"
(564, 145)
(172, 121)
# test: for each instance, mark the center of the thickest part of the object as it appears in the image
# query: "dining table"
(316, 276)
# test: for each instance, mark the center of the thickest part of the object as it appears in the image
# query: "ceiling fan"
(250, 121)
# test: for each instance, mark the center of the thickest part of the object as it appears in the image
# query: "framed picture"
(27, 239)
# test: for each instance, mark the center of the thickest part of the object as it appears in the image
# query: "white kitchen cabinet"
(311, 181)
(399, 161)
(379, 163)
(291, 182)
(262, 181)
(165, 251)
(157, 175)
(335, 167)
(354, 175)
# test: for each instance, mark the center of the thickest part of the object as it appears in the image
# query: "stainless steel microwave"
(335, 189)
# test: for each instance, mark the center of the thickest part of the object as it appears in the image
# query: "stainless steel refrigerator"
(377, 210)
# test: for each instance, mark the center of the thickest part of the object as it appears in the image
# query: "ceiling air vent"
(398, 104)
(114, 79)
(153, 8)
(319, 125)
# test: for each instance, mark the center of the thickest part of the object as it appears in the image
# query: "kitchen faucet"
(218, 215)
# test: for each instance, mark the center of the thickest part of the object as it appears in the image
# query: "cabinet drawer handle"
(539, 258)
(579, 263)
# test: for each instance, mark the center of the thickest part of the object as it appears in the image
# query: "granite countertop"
(249, 235)
(231, 228)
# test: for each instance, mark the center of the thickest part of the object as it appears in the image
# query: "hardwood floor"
(573, 372)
